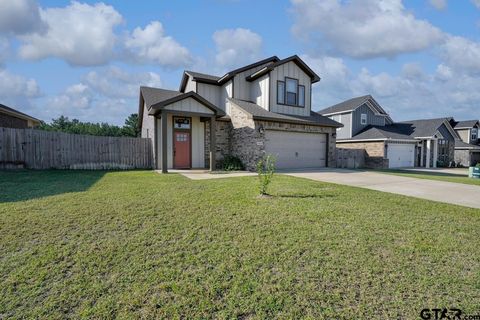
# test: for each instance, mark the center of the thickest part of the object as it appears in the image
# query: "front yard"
(139, 244)
(439, 176)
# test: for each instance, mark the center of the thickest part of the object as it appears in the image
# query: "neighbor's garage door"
(297, 149)
(401, 155)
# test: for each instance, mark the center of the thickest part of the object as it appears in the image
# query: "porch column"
(422, 149)
(164, 143)
(213, 142)
(435, 152)
(429, 142)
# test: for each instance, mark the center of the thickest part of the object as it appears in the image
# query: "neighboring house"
(261, 108)
(422, 143)
(11, 118)
(467, 149)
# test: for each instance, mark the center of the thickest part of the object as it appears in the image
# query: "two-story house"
(262, 108)
(467, 148)
(421, 143)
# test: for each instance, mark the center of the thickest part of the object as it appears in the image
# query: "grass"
(432, 176)
(142, 245)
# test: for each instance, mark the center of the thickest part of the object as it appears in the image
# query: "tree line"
(64, 124)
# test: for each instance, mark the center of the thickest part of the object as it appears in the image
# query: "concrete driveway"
(448, 192)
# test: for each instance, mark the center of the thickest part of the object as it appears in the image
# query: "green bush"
(478, 165)
(265, 170)
(232, 163)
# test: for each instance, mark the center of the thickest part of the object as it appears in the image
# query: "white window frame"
(363, 119)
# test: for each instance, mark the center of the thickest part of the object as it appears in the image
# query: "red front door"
(181, 149)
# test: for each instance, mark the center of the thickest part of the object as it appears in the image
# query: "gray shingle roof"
(203, 75)
(17, 113)
(465, 124)
(347, 105)
(423, 127)
(459, 144)
(402, 130)
(156, 95)
(261, 114)
(394, 131)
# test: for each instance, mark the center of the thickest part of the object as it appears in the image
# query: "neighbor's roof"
(16, 113)
(347, 105)
(202, 76)
(459, 144)
(394, 131)
(423, 127)
(259, 113)
(466, 124)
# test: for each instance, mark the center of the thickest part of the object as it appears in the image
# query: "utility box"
(474, 172)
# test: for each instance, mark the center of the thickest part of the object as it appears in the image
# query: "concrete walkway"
(448, 192)
(448, 171)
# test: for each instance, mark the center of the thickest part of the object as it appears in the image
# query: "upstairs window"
(292, 91)
(280, 92)
(363, 119)
(301, 96)
(474, 134)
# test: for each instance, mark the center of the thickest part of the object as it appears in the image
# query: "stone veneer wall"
(462, 157)
(223, 134)
(247, 143)
(375, 151)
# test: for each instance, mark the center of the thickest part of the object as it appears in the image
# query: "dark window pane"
(291, 98)
(280, 92)
(301, 96)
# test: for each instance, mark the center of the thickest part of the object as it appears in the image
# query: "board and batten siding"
(345, 119)
(191, 85)
(241, 86)
(188, 105)
(372, 119)
(148, 128)
(445, 133)
(290, 70)
(259, 91)
(209, 92)
(226, 91)
(197, 141)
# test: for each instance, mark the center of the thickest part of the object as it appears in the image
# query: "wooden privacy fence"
(38, 149)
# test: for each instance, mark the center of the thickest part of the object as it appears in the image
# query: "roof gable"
(16, 113)
(466, 124)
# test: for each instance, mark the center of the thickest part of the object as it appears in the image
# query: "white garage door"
(401, 155)
(297, 149)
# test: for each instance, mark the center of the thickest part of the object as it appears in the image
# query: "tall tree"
(131, 127)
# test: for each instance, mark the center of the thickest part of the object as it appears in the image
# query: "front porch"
(180, 133)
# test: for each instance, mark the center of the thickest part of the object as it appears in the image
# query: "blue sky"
(86, 59)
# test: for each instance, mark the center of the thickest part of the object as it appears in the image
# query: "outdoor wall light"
(261, 129)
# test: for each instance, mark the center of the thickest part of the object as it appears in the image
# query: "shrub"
(265, 170)
(232, 163)
(478, 165)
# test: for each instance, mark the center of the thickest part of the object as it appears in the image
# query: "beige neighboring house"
(262, 108)
(11, 118)
(467, 148)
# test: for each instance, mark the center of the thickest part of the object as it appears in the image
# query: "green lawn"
(432, 176)
(142, 245)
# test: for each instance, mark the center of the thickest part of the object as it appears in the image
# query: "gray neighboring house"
(467, 148)
(415, 143)
(261, 108)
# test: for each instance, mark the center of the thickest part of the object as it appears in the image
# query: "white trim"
(363, 117)
(378, 139)
(334, 113)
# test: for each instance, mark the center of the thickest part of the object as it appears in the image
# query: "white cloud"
(12, 85)
(363, 28)
(439, 4)
(152, 45)
(461, 53)
(81, 34)
(108, 94)
(20, 17)
(236, 47)
(115, 82)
